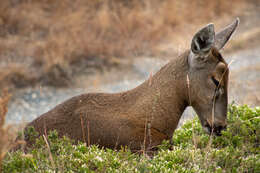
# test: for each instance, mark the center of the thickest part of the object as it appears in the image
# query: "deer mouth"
(216, 131)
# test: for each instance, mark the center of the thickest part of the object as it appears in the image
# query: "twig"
(188, 84)
(116, 144)
(145, 129)
(44, 126)
(149, 134)
(213, 108)
(193, 135)
(23, 139)
(150, 79)
(82, 129)
(4, 142)
(214, 102)
(88, 128)
(49, 150)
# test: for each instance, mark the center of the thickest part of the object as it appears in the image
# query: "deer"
(146, 115)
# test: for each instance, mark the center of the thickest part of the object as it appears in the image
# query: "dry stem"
(88, 128)
(5, 142)
(82, 129)
(145, 129)
(213, 108)
(193, 135)
(49, 150)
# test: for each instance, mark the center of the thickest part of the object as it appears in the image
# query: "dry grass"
(6, 133)
(247, 40)
(61, 38)
(49, 151)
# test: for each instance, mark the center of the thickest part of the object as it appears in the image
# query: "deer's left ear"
(224, 35)
(203, 40)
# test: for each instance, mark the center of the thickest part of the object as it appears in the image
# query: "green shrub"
(237, 150)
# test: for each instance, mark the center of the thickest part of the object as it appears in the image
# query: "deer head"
(208, 77)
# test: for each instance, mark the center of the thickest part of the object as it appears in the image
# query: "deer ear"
(203, 40)
(223, 36)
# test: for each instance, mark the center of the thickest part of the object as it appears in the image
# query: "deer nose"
(218, 129)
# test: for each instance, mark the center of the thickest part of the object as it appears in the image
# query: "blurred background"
(51, 50)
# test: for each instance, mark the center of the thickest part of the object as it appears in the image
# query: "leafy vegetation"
(237, 150)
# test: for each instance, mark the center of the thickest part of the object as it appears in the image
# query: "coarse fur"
(148, 114)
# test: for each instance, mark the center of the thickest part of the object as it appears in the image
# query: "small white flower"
(99, 159)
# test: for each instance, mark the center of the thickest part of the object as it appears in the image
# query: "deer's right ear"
(203, 40)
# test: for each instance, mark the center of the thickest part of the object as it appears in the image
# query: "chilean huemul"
(149, 113)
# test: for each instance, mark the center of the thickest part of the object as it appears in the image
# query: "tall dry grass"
(6, 133)
(49, 42)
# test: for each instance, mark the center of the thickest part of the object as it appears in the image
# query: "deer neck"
(162, 99)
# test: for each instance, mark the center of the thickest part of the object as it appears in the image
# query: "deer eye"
(215, 81)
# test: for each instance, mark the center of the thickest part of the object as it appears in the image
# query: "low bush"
(237, 150)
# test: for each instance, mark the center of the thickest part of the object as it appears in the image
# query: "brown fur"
(119, 119)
